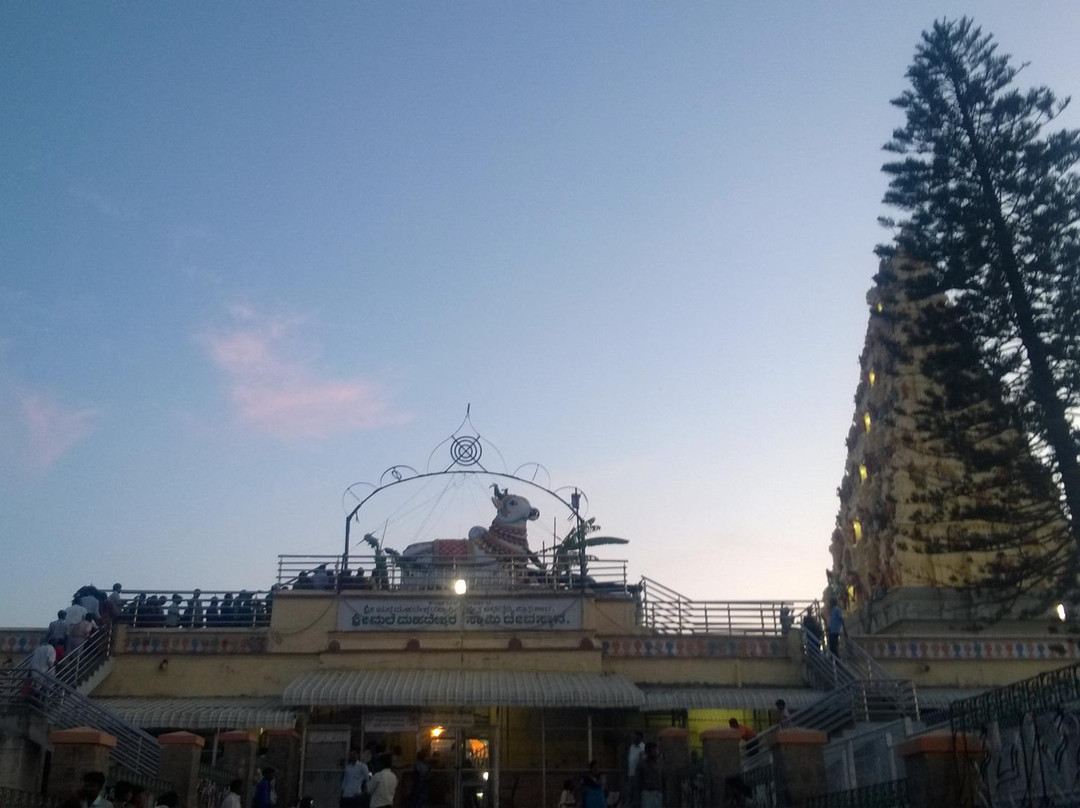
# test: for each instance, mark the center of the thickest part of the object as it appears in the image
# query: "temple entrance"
(459, 761)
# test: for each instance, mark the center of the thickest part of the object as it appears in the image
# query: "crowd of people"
(94, 794)
(228, 611)
(324, 578)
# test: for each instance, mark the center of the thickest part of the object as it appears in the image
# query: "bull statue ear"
(496, 502)
(534, 514)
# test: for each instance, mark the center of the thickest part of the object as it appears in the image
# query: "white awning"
(412, 688)
(208, 713)
(674, 697)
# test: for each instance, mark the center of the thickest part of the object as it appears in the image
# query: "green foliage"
(992, 200)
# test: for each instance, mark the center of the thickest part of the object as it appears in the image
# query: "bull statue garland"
(492, 553)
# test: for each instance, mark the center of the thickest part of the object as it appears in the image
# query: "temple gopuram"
(488, 666)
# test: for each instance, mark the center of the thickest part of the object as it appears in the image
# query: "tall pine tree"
(992, 204)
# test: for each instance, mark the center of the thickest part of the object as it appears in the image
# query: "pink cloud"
(282, 395)
(52, 429)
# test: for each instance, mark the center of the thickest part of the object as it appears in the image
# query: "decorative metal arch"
(466, 451)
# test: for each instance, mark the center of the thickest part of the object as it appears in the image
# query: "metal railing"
(154, 786)
(12, 798)
(666, 611)
(893, 794)
(76, 667)
(63, 707)
(210, 609)
(386, 572)
(854, 702)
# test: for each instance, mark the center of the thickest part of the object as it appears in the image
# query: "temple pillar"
(720, 749)
(283, 753)
(799, 763)
(675, 760)
(941, 768)
(76, 752)
(238, 754)
(179, 764)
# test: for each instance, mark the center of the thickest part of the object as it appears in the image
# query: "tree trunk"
(1043, 388)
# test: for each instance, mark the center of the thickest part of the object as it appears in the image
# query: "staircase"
(61, 697)
(859, 690)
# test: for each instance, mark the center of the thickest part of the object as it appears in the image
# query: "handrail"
(156, 608)
(76, 667)
(387, 572)
(64, 707)
(666, 611)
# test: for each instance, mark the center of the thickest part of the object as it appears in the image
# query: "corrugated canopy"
(412, 688)
(208, 713)
(676, 697)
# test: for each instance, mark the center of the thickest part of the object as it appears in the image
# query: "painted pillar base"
(283, 753)
(675, 760)
(720, 747)
(941, 769)
(238, 750)
(179, 765)
(799, 763)
(76, 752)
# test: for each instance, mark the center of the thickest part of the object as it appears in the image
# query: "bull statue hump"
(505, 539)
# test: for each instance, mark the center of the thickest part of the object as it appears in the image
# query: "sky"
(254, 253)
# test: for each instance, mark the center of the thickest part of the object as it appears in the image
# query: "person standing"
(78, 633)
(567, 798)
(57, 631)
(593, 792)
(633, 758)
(836, 625)
(172, 614)
(419, 798)
(114, 604)
(383, 784)
(91, 795)
(353, 780)
(232, 799)
(265, 793)
(784, 714)
(651, 778)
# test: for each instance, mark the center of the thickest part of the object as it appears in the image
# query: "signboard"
(398, 721)
(409, 613)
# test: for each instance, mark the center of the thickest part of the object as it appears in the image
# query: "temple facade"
(941, 497)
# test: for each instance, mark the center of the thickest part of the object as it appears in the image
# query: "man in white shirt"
(90, 795)
(382, 784)
(633, 758)
(74, 614)
(43, 659)
(232, 799)
(353, 781)
(115, 602)
(90, 602)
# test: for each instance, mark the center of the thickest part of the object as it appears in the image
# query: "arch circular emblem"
(466, 450)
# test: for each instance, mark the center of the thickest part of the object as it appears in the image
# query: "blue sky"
(253, 253)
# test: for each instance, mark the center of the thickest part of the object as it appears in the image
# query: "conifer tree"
(992, 203)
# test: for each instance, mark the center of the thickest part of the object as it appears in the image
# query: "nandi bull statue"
(493, 552)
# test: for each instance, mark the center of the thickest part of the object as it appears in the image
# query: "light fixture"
(437, 731)
(1060, 609)
(460, 587)
(485, 776)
